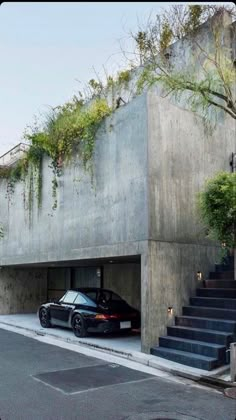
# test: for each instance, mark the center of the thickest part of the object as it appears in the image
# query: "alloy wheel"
(44, 317)
(77, 326)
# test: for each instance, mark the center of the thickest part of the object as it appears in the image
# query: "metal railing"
(14, 154)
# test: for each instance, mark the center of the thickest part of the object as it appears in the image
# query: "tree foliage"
(217, 208)
(210, 82)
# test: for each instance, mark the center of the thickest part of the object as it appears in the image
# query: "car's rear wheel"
(78, 326)
(44, 318)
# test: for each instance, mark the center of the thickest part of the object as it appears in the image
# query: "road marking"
(90, 389)
(55, 341)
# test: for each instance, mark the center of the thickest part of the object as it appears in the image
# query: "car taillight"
(100, 316)
(106, 316)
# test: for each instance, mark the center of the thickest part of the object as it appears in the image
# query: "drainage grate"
(163, 415)
(92, 377)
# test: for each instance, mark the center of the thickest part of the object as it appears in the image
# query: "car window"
(115, 297)
(92, 295)
(108, 296)
(80, 300)
(69, 297)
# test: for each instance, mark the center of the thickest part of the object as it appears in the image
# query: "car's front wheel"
(78, 326)
(44, 318)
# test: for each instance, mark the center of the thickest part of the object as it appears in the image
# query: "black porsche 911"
(90, 310)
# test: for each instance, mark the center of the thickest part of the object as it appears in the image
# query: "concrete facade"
(151, 158)
(21, 290)
(112, 211)
(124, 279)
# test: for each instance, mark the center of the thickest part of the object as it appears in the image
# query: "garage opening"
(61, 279)
(120, 275)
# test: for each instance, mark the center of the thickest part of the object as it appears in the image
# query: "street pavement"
(42, 381)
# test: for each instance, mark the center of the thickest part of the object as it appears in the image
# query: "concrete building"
(137, 223)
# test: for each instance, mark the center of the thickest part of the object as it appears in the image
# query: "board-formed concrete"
(21, 290)
(151, 159)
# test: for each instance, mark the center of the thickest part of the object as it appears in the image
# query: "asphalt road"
(39, 381)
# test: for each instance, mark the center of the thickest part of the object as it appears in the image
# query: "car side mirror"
(54, 300)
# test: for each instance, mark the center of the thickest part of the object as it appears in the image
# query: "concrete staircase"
(201, 336)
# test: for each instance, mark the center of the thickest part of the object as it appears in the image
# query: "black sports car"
(90, 310)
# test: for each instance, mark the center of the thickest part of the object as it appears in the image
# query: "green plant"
(208, 85)
(68, 127)
(217, 208)
(96, 87)
(1, 231)
(166, 36)
(124, 78)
(54, 191)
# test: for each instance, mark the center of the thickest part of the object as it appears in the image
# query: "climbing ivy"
(71, 126)
(1, 231)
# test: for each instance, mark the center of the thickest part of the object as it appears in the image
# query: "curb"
(144, 359)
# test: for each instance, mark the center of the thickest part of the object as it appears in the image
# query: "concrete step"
(214, 292)
(201, 334)
(225, 284)
(206, 312)
(222, 275)
(206, 323)
(185, 358)
(224, 267)
(194, 346)
(214, 302)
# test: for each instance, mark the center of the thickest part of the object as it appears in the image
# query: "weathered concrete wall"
(124, 279)
(114, 211)
(181, 157)
(185, 55)
(58, 282)
(151, 159)
(22, 290)
(190, 55)
(168, 280)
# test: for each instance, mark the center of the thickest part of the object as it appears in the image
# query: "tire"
(44, 318)
(78, 326)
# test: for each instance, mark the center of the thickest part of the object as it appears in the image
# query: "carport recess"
(120, 274)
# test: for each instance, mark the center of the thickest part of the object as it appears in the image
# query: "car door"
(60, 311)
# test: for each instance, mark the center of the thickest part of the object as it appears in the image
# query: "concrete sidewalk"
(125, 346)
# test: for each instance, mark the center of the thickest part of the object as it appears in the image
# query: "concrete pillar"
(168, 280)
(153, 304)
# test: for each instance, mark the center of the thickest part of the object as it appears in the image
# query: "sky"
(48, 50)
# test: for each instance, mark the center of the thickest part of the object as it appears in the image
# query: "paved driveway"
(118, 342)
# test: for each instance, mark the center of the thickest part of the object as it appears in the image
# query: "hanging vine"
(67, 129)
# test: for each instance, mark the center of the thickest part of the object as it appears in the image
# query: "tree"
(210, 82)
(217, 208)
(209, 85)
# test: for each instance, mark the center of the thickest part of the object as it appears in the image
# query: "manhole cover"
(230, 392)
(76, 380)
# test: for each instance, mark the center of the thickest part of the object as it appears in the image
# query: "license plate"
(126, 324)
